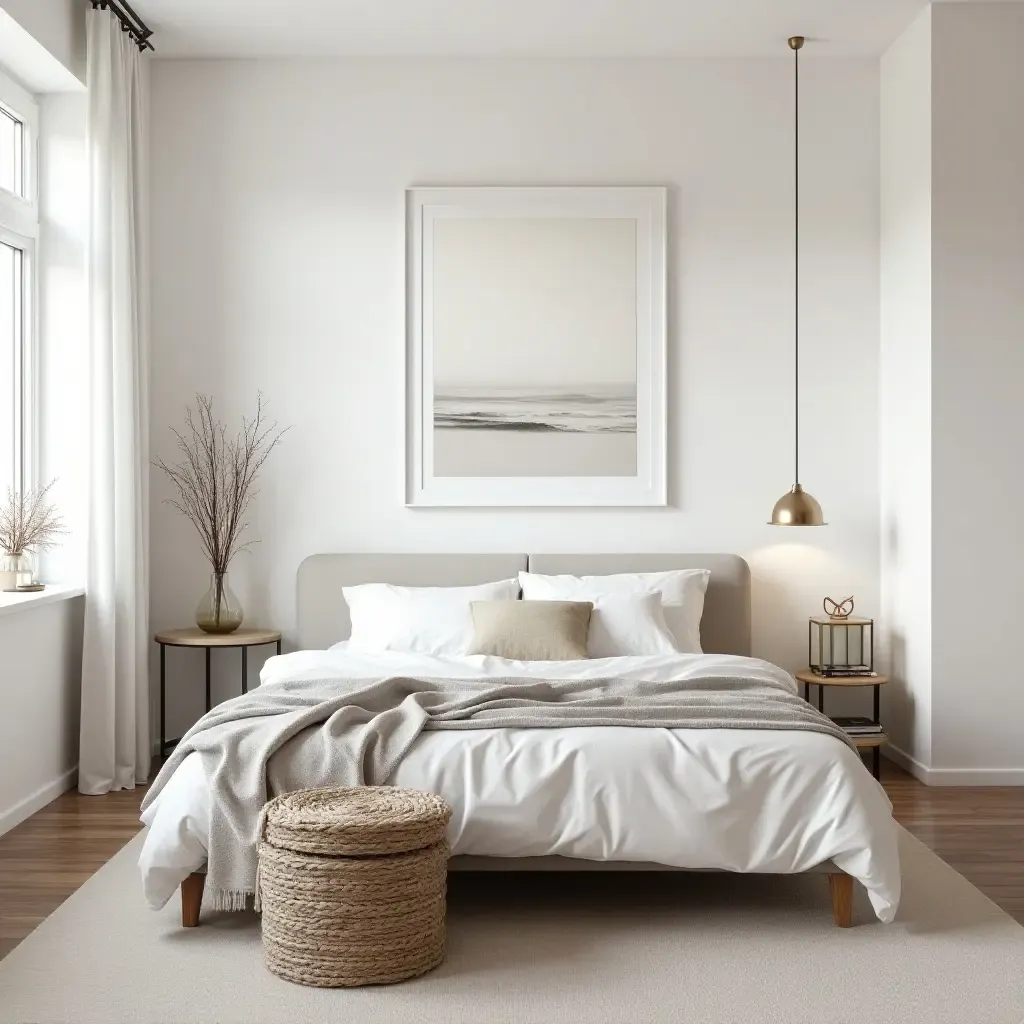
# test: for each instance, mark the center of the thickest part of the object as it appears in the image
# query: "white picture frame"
(602, 250)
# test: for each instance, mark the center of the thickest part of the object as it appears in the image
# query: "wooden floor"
(979, 830)
(45, 859)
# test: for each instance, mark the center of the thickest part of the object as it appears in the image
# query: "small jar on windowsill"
(17, 571)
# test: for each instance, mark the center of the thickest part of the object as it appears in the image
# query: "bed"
(580, 798)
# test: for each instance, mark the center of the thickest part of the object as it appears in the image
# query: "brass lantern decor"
(840, 644)
(796, 507)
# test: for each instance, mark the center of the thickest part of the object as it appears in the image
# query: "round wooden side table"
(195, 637)
(873, 742)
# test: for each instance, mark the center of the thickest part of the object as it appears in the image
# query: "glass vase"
(16, 570)
(219, 611)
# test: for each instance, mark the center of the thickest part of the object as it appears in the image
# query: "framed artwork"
(535, 367)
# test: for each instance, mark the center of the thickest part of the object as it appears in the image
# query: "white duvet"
(736, 800)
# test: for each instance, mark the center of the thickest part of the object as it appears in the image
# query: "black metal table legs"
(876, 756)
(163, 699)
(208, 651)
(876, 752)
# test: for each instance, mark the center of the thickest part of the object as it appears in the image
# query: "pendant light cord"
(796, 266)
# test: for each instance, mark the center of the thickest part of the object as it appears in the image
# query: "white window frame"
(19, 227)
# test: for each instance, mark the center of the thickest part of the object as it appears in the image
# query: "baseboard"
(906, 762)
(954, 776)
(36, 801)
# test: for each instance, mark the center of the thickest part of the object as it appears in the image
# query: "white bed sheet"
(737, 800)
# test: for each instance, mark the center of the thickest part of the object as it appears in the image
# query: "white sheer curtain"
(115, 742)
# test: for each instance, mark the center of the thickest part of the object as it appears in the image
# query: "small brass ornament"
(838, 609)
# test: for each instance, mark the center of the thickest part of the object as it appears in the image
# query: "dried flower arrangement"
(214, 480)
(28, 521)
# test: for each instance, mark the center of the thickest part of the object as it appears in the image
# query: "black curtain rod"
(130, 21)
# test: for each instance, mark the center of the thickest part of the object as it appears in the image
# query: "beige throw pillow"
(531, 630)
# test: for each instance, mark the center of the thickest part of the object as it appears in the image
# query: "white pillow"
(622, 626)
(424, 620)
(681, 591)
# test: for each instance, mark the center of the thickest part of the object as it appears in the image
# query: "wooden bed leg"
(841, 887)
(192, 899)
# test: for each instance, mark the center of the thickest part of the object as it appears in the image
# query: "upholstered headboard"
(323, 615)
(725, 627)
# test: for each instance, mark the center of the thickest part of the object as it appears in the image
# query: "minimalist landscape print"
(535, 370)
(534, 347)
(590, 409)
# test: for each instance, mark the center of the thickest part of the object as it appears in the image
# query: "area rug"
(529, 949)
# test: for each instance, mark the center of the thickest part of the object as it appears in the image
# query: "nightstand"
(195, 637)
(874, 742)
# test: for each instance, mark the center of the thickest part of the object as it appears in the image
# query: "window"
(12, 161)
(12, 319)
(19, 225)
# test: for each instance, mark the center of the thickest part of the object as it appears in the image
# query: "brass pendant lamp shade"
(796, 507)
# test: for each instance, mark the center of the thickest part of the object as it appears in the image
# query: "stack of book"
(857, 726)
(843, 671)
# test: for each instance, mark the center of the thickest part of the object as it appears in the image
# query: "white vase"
(16, 570)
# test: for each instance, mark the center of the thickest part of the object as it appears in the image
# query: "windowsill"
(12, 603)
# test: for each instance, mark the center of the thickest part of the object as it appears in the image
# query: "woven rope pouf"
(352, 884)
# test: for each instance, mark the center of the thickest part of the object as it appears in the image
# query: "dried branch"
(215, 476)
(28, 522)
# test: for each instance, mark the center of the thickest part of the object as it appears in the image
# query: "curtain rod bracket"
(130, 21)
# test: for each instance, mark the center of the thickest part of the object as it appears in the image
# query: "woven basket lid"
(355, 821)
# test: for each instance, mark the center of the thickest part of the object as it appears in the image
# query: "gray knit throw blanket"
(343, 732)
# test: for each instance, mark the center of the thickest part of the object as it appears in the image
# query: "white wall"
(952, 365)
(58, 26)
(977, 374)
(278, 256)
(40, 680)
(905, 456)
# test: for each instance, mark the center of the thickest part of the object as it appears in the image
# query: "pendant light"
(796, 507)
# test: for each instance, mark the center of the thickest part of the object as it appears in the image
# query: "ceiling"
(262, 28)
